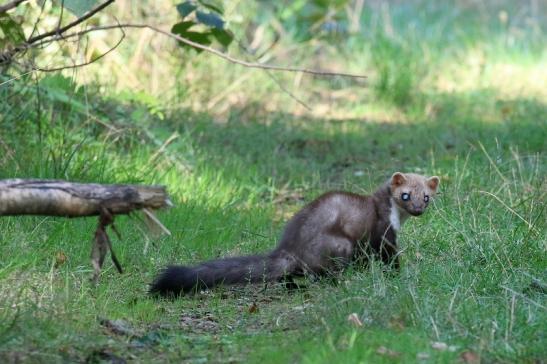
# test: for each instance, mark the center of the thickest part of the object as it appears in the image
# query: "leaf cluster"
(202, 22)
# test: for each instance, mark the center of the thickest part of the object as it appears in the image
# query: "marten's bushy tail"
(175, 279)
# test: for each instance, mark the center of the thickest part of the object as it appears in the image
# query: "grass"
(471, 265)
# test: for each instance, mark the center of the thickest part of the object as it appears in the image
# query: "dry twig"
(11, 5)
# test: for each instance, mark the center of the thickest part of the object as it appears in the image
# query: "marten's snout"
(416, 210)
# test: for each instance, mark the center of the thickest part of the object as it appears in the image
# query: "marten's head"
(413, 192)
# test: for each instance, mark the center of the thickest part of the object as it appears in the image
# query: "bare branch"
(205, 48)
(61, 16)
(241, 62)
(81, 19)
(270, 75)
(61, 198)
(285, 90)
(7, 56)
(78, 65)
(11, 5)
(66, 199)
(58, 34)
(38, 19)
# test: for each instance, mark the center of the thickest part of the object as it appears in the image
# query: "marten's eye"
(426, 198)
(405, 196)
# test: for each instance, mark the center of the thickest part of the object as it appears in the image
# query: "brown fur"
(323, 237)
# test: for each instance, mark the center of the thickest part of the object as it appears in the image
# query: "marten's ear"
(398, 179)
(433, 182)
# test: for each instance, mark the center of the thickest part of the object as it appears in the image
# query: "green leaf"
(213, 7)
(77, 7)
(13, 32)
(210, 19)
(201, 38)
(186, 8)
(182, 27)
(223, 36)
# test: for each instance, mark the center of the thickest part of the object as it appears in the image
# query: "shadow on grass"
(290, 148)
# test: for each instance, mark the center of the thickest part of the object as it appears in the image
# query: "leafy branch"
(208, 49)
(180, 32)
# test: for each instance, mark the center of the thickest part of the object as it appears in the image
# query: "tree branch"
(11, 5)
(57, 33)
(205, 48)
(241, 62)
(66, 199)
(61, 198)
(77, 65)
(61, 30)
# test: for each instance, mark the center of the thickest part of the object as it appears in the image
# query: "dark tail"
(175, 279)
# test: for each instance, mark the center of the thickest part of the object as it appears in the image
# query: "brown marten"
(323, 237)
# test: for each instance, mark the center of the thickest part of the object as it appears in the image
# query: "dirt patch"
(199, 322)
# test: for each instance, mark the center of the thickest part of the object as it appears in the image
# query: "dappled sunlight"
(508, 79)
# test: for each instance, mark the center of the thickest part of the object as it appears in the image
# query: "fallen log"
(61, 198)
(66, 199)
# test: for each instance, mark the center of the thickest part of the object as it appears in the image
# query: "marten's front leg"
(386, 247)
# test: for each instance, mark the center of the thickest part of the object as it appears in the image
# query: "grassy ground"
(472, 286)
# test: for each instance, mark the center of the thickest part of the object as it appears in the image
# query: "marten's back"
(336, 213)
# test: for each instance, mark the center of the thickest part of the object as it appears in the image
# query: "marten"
(322, 238)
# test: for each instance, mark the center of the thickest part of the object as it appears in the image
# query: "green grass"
(468, 265)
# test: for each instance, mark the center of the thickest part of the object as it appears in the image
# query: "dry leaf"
(354, 320)
(253, 308)
(60, 259)
(396, 322)
(470, 357)
(382, 350)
